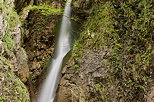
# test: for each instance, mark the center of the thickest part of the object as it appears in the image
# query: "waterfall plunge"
(63, 46)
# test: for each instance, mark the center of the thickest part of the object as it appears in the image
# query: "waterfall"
(63, 46)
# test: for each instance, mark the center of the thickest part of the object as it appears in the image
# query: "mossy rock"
(13, 90)
(126, 29)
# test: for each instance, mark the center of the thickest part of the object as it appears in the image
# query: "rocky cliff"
(13, 59)
(111, 61)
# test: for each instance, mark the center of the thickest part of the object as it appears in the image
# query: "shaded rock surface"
(39, 43)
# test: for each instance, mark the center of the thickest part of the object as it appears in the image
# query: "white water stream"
(63, 46)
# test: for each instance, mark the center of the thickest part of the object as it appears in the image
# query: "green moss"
(45, 9)
(126, 28)
(8, 41)
(11, 17)
(11, 21)
(98, 85)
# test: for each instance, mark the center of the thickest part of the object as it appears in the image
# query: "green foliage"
(1, 98)
(77, 53)
(12, 22)
(8, 40)
(98, 85)
(5, 61)
(45, 9)
(11, 17)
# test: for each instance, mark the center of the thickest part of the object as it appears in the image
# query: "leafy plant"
(45, 9)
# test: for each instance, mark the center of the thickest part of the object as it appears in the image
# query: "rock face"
(81, 85)
(39, 43)
(111, 62)
(13, 59)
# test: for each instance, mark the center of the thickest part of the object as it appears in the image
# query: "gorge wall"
(113, 60)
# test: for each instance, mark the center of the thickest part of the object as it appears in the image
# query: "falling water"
(63, 46)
